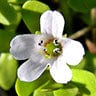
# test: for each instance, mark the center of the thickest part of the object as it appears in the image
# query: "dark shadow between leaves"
(82, 88)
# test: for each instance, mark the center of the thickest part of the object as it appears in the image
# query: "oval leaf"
(8, 67)
(43, 92)
(85, 81)
(27, 88)
(8, 14)
(66, 92)
(31, 14)
(5, 38)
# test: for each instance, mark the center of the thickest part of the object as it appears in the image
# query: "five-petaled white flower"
(47, 49)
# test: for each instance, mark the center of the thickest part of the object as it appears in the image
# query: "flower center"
(51, 48)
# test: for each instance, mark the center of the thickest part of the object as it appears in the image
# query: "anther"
(44, 49)
(57, 50)
(41, 42)
(56, 42)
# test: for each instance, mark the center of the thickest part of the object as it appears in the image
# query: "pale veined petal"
(60, 72)
(46, 22)
(32, 69)
(57, 24)
(22, 46)
(73, 51)
(52, 23)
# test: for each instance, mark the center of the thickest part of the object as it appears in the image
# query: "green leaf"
(43, 92)
(8, 14)
(27, 88)
(5, 38)
(13, 27)
(83, 6)
(12, 1)
(85, 81)
(17, 1)
(52, 88)
(21, 1)
(31, 14)
(66, 92)
(8, 68)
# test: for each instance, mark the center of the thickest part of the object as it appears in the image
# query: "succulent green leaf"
(83, 6)
(85, 81)
(52, 88)
(13, 27)
(8, 14)
(27, 88)
(17, 1)
(31, 14)
(5, 38)
(43, 92)
(66, 92)
(8, 70)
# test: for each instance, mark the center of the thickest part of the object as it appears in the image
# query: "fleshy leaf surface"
(5, 38)
(31, 14)
(66, 92)
(85, 81)
(27, 88)
(8, 14)
(8, 70)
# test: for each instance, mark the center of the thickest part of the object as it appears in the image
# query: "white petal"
(46, 22)
(52, 23)
(60, 71)
(57, 24)
(31, 69)
(73, 51)
(22, 45)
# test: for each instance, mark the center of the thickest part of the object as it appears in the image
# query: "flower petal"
(73, 51)
(60, 71)
(46, 22)
(52, 23)
(32, 69)
(22, 45)
(57, 24)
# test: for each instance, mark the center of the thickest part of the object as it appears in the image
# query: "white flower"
(48, 49)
